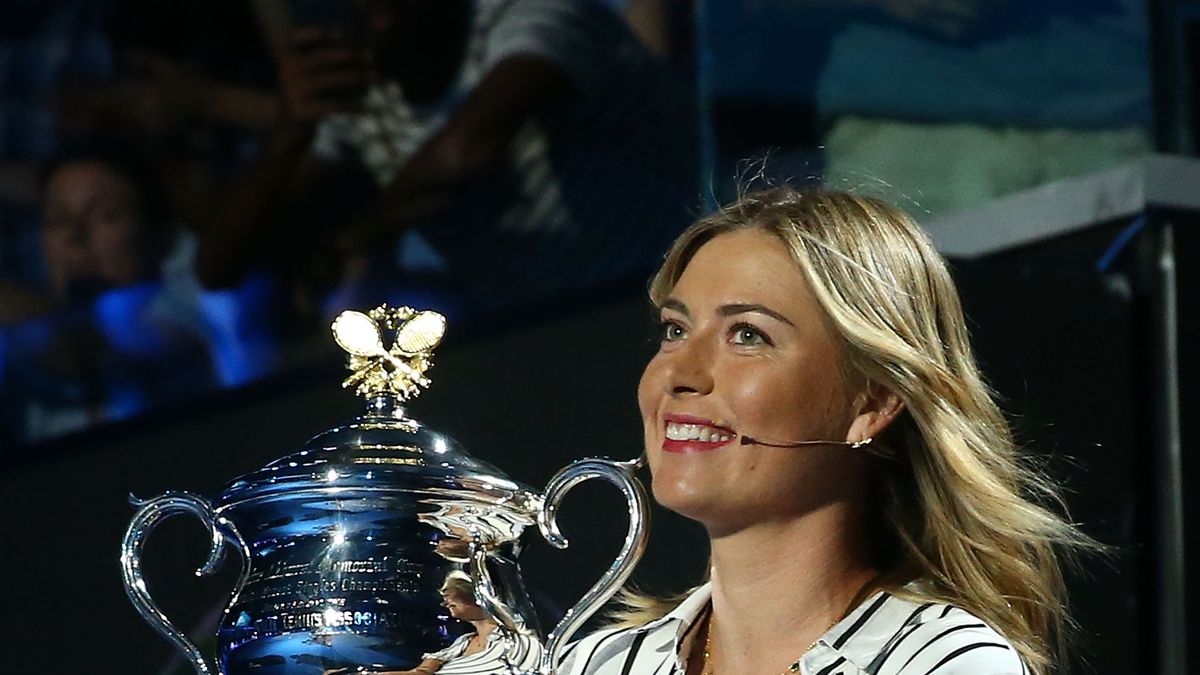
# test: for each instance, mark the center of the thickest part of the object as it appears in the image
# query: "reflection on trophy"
(485, 649)
(368, 549)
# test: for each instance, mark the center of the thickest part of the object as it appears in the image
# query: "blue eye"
(749, 336)
(672, 331)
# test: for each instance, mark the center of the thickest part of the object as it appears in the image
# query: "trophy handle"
(488, 597)
(149, 514)
(622, 475)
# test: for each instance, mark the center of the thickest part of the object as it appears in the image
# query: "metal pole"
(1172, 629)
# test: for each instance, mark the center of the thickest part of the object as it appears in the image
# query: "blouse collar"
(856, 637)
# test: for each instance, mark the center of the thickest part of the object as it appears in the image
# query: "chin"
(683, 497)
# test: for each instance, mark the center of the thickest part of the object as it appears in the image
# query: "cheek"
(759, 395)
(54, 245)
(58, 239)
(649, 397)
(650, 391)
(787, 403)
(115, 240)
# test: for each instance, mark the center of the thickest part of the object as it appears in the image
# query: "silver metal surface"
(622, 475)
(149, 514)
(1172, 620)
(348, 545)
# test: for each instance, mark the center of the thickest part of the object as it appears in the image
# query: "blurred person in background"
(497, 152)
(666, 27)
(191, 89)
(142, 79)
(130, 72)
(105, 336)
(43, 48)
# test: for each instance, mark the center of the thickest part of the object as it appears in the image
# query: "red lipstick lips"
(687, 434)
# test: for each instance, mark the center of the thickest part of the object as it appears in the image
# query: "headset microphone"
(865, 443)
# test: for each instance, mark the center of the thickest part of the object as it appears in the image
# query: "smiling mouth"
(689, 437)
(697, 432)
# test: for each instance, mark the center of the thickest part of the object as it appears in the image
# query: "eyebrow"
(672, 303)
(730, 310)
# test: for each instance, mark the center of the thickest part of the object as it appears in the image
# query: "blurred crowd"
(189, 188)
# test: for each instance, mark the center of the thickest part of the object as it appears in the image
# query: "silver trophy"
(349, 546)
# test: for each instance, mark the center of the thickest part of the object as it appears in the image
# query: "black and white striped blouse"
(885, 635)
(503, 653)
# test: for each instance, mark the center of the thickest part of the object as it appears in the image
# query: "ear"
(877, 407)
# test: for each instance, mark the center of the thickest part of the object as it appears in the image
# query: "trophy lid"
(383, 449)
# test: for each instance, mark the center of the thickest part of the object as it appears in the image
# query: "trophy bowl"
(348, 546)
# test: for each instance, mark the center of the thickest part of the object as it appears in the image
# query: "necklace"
(794, 668)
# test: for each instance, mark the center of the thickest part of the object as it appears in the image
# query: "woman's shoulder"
(935, 637)
(644, 642)
(600, 647)
(452, 650)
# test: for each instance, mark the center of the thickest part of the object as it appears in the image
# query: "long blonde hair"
(962, 511)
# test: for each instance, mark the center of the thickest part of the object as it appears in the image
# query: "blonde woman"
(815, 405)
(485, 651)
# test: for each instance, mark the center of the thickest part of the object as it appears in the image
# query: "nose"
(690, 370)
(69, 240)
(71, 229)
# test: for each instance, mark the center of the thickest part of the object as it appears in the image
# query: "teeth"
(695, 432)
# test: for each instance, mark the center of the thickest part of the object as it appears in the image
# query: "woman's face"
(90, 227)
(461, 607)
(745, 351)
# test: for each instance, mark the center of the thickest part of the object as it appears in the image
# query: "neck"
(484, 627)
(779, 586)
